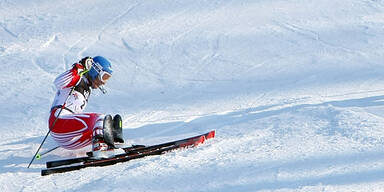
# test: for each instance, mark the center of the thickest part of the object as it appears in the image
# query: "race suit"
(72, 128)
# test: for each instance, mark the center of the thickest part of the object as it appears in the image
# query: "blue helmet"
(100, 64)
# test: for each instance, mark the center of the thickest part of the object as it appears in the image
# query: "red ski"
(130, 153)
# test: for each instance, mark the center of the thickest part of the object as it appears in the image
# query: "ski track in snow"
(292, 88)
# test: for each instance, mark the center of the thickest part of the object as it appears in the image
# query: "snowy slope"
(293, 88)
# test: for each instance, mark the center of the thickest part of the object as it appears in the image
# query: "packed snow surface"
(293, 88)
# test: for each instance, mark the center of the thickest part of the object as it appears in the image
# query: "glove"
(86, 62)
(83, 66)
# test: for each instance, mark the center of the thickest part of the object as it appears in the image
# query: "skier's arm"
(70, 77)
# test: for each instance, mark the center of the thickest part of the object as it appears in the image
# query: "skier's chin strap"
(102, 89)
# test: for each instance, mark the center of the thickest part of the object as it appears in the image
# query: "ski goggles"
(103, 75)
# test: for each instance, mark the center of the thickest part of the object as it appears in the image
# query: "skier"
(70, 127)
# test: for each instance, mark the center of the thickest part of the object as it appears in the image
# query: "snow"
(293, 89)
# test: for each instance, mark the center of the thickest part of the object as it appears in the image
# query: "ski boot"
(118, 129)
(103, 144)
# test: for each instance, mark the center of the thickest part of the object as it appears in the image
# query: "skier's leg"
(72, 131)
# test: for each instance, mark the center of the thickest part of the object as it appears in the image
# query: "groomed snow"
(293, 88)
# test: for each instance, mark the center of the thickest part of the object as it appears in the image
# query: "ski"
(62, 162)
(130, 153)
(128, 150)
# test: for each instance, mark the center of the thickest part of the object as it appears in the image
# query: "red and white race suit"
(73, 129)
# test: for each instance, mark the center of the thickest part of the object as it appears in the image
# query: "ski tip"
(210, 135)
(199, 141)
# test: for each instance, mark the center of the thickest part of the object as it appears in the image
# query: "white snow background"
(293, 88)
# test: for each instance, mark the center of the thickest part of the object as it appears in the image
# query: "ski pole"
(49, 131)
(38, 156)
(34, 156)
(54, 122)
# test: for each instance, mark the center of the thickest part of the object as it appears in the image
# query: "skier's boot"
(118, 129)
(108, 129)
(102, 143)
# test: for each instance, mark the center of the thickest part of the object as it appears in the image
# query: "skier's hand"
(86, 62)
(84, 65)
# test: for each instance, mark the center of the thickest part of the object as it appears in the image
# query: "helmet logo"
(97, 67)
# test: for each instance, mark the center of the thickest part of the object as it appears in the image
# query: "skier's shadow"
(158, 132)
